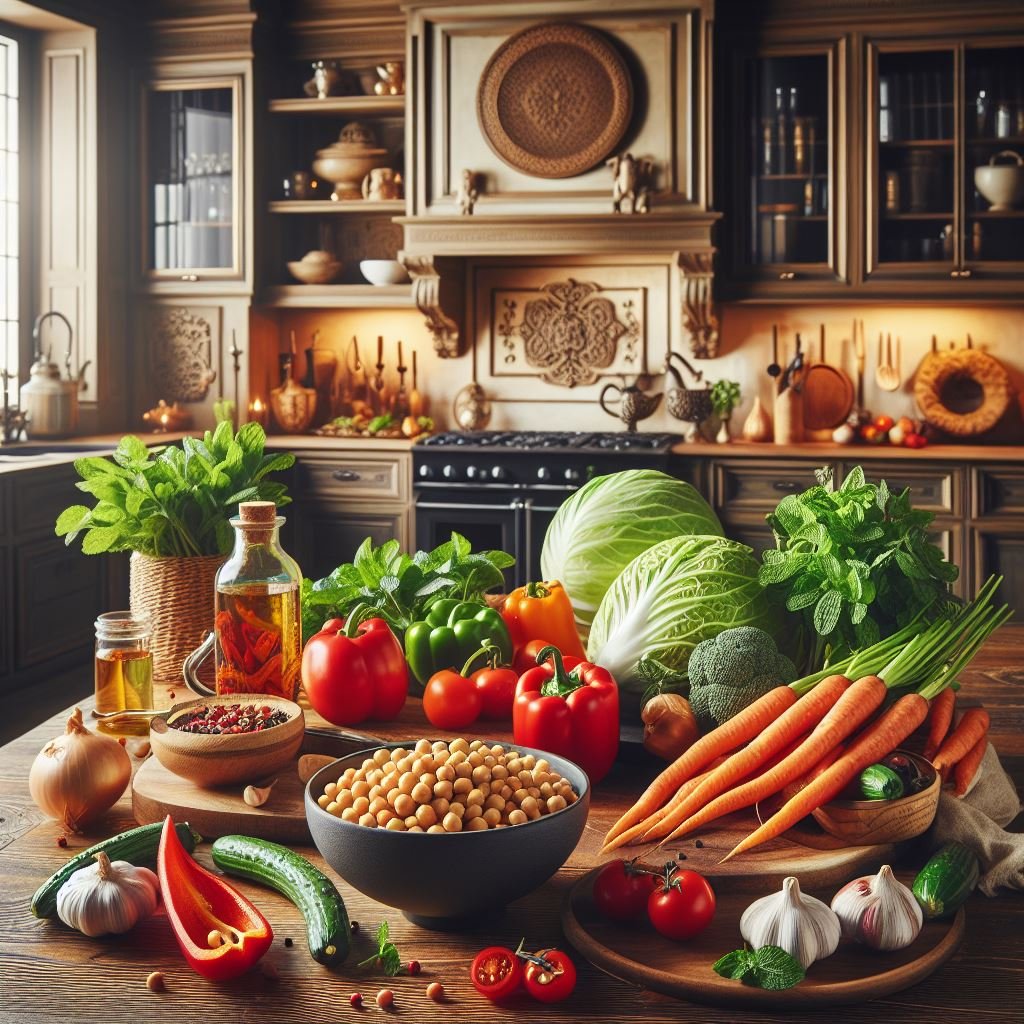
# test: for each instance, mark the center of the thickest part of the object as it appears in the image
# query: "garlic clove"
(257, 796)
(802, 925)
(879, 911)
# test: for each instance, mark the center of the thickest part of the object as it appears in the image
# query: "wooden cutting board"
(638, 954)
(828, 397)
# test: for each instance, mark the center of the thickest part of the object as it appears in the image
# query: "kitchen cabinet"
(917, 102)
(341, 498)
(52, 594)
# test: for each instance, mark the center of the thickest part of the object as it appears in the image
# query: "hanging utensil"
(773, 367)
(401, 403)
(886, 375)
(860, 350)
(828, 392)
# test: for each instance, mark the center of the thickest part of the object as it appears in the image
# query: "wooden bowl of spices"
(231, 739)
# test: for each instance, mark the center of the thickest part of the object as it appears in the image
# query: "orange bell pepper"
(542, 611)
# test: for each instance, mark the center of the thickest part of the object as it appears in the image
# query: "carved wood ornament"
(700, 323)
(427, 294)
(182, 346)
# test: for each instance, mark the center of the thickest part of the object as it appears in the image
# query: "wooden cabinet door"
(328, 534)
(1001, 552)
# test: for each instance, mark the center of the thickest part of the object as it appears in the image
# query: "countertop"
(49, 972)
(828, 451)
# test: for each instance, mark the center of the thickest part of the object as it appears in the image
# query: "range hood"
(517, 116)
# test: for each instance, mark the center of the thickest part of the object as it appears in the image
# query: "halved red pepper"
(220, 932)
(569, 707)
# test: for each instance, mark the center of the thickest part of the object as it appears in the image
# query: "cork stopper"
(257, 513)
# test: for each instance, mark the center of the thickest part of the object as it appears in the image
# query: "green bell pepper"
(450, 634)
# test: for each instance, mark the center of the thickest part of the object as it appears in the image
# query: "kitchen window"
(10, 220)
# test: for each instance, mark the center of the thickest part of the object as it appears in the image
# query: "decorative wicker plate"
(555, 100)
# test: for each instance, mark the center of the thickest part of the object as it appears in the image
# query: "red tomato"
(497, 687)
(451, 701)
(682, 906)
(496, 972)
(621, 892)
(550, 976)
(883, 423)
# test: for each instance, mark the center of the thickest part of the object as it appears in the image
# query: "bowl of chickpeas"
(446, 830)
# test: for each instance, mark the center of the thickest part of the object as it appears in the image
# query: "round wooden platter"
(828, 397)
(853, 974)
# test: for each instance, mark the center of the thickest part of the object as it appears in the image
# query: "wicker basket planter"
(177, 594)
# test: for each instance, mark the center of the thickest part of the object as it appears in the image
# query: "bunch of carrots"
(817, 734)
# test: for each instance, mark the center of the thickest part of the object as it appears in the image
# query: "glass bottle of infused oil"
(124, 671)
(258, 627)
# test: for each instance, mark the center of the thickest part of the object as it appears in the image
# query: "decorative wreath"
(988, 373)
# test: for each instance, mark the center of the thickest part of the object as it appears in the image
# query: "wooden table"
(47, 971)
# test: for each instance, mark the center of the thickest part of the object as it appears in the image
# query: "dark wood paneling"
(40, 496)
(998, 491)
(743, 488)
(326, 534)
(1002, 553)
(6, 612)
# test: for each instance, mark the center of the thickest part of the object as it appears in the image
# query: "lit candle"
(257, 412)
(399, 352)
(380, 348)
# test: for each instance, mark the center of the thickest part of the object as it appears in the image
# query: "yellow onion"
(669, 725)
(78, 776)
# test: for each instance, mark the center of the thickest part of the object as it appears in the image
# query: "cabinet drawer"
(326, 536)
(997, 491)
(745, 487)
(41, 496)
(1001, 553)
(354, 477)
(933, 488)
(60, 592)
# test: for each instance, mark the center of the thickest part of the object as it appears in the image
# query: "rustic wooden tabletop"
(48, 971)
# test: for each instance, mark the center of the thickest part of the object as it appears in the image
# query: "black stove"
(502, 488)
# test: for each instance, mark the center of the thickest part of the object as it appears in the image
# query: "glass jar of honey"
(124, 671)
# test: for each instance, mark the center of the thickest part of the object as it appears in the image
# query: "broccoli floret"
(731, 671)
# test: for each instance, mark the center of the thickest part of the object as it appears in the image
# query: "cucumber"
(138, 846)
(945, 882)
(877, 782)
(327, 927)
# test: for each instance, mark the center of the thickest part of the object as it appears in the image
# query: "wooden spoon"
(886, 375)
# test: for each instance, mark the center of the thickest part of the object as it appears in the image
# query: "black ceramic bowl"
(438, 880)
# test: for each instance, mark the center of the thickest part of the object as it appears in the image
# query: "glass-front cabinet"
(785, 170)
(945, 196)
(192, 199)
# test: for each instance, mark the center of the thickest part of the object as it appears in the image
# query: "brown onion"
(669, 725)
(78, 776)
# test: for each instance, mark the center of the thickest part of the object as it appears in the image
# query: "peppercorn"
(385, 998)
(288, 942)
(435, 991)
(355, 1000)
(414, 967)
(62, 841)
(699, 844)
(354, 927)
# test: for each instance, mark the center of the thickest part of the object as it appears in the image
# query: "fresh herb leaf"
(386, 957)
(769, 967)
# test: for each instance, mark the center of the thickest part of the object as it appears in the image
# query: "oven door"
(487, 526)
(537, 516)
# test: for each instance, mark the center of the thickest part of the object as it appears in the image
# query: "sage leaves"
(769, 967)
(170, 500)
(856, 563)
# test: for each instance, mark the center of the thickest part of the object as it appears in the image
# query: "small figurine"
(382, 183)
(392, 79)
(631, 183)
(325, 80)
(468, 193)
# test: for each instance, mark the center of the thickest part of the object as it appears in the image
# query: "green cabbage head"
(601, 528)
(670, 598)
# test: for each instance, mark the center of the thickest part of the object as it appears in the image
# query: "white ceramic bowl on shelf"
(1001, 184)
(316, 267)
(383, 272)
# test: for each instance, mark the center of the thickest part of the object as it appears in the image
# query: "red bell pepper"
(220, 932)
(354, 671)
(569, 707)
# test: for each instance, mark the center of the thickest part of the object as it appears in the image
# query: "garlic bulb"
(801, 925)
(108, 897)
(878, 911)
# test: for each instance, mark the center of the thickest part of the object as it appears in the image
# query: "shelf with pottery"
(361, 106)
(334, 208)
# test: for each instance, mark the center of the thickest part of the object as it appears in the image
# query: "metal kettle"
(49, 400)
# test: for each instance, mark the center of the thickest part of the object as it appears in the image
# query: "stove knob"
(544, 474)
(426, 472)
(499, 473)
(475, 473)
(572, 476)
(449, 472)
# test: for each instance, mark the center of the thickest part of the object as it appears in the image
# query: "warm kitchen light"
(258, 412)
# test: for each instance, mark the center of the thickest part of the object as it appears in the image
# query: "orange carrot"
(727, 737)
(880, 738)
(852, 709)
(967, 766)
(972, 726)
(806, 713)
(939, 721)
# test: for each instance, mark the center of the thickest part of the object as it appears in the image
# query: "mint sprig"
(386, 957)
(769, 967)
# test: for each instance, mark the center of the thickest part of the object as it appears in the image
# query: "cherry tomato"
(451, 701)
(883, 423)
(550, 976)
(682, 905)
(496, 972)
(497, 688)
(621, 892)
